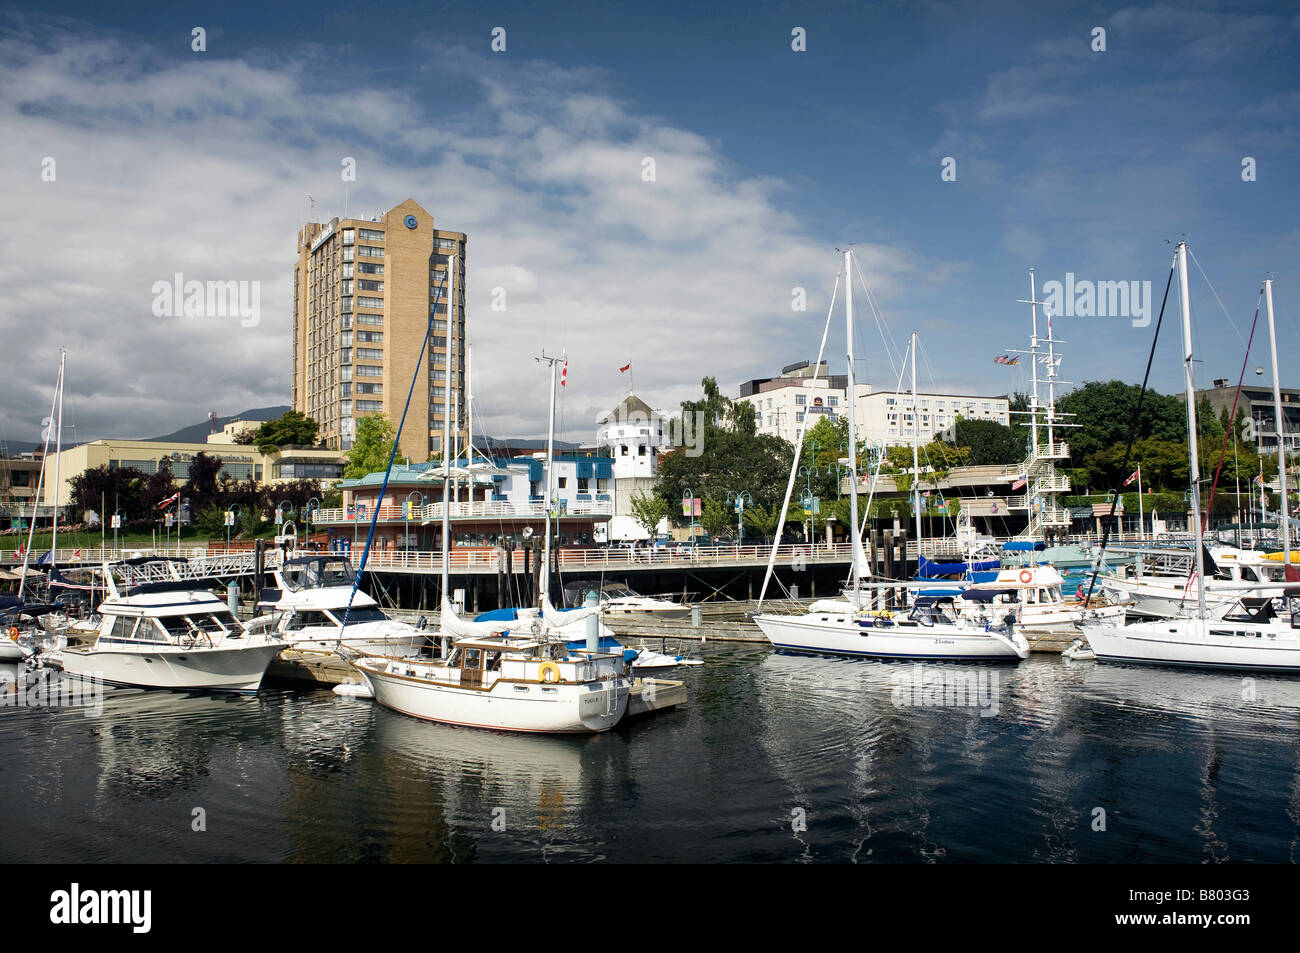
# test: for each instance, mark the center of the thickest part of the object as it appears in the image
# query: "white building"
(633, 433)
(889, 418)
(785, 405)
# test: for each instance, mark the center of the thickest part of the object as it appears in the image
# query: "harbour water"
(774, 759)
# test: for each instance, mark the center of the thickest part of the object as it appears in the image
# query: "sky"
(953, 145)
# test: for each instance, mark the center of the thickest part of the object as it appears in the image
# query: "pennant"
(625, 368)
(564, 374)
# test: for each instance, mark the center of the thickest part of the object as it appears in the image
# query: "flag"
(564, 374)
(625, 368)
(1013, 362)
(1132, 476)
(169, 501)
(1003, 359)
(1259, 479)
(1021, 482)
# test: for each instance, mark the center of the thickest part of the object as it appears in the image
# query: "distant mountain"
(515, 444)
(198, 433)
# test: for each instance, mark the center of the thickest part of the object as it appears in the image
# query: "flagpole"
(1141, 516)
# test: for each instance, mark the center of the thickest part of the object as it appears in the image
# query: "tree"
(201, 488)
(111, 489)
(1105, 413)
(763, 519)
(648, 511)
(989, 442)
(373, 447)
(293, 428)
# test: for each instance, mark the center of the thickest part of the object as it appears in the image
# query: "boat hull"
(238, 669)
(798, 634)
(507, 706)
(1194, 643)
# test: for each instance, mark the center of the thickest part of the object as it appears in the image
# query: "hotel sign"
(321, 238)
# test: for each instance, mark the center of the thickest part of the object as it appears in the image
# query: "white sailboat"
(1201, 640)
(506, 681)
(930, 631)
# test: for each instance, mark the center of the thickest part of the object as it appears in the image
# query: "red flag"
(1132, 476)
(564, 374)
(624, 368)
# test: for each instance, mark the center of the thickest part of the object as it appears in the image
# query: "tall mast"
(544, 577)
(855, 533)
(58, 484)
(916, 459)
(36, 500)
(1033, 351)
(1285, 523)
(452, 265)
(1192, 448)
(469, 414)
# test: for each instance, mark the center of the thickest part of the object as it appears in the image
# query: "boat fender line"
(548, 672)
(1026, 576)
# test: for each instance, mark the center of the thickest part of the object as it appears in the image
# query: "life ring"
(548, 672)
(13, 632)
(1026, 576)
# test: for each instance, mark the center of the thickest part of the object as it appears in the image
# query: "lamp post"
(809, 500)
(309, 514)
(737, 500)
(406, 515)
(688, 507)
(232, 514)
(117, 523)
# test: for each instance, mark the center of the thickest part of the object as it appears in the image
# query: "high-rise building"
(364, 290)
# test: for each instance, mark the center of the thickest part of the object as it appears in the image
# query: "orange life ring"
(13, 632)
(1026, 576)
(549, 672)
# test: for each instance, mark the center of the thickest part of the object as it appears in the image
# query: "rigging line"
(1232, 417)
(798, 450)
(891, 345)
(1132, 436)
(1218, 299)
(397, 440)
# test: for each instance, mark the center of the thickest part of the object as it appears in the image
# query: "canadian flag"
(1132, 476)
(625, 368)
(564, 374)
(169, 501)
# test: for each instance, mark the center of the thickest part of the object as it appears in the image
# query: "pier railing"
(478, 509)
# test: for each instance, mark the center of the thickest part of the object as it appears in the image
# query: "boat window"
(493, 661)
(360, 614)
(295, 577)
(210, 624)
(304, 619)
(473, 659)
(123, 627)
(331, 572)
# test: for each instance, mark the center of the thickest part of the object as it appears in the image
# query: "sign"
(169, 520)
(406, 509)
(230, 517)
(279, 516)
(116, 522)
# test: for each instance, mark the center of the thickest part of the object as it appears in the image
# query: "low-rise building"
(784, 405)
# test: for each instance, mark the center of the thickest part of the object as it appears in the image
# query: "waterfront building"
(633, 434)
(889, 418)
(1257, 402)
(19, 475)
(239, 462)
(783, 405)
(364, 291)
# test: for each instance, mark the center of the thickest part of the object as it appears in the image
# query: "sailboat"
(1201, 640)
(527, 681)
(932, 630)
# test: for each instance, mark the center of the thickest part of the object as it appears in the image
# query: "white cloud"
(203, 166)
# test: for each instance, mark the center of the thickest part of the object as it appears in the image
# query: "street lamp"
(117, 523)
(309, 513)
(406, 515)
(737, 500)
(232, 514)
(688, 507)
(809, 500)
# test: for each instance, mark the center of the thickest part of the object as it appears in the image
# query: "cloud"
(203, 166)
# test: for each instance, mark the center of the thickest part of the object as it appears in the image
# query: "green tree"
(372, 448)
(648, 511)
(990, 442)
(1105, 413)
(293, 428)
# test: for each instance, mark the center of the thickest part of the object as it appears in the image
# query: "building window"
(369, 405)
(347, 287)
(449, 243)
(800, 400)
(370, 302)
(349, 253)
(345, 355)
(347, 271)
(366, 318)
(369, 251)
(349, 236)
(366, 268)
(833, 401)
(370, 235)
(798, 418)
(369, 370)
(370, 388)
(370, 354)
(370, 337)
(345, 338)
(363, 285)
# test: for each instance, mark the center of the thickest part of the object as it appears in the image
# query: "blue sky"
(767, 159)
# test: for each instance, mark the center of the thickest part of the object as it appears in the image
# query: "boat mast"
(1033, 351)
(36, 500)
(452, 266)
(854, 530)
(1192, 449)
(544, 577)
(1285, 523)
(58, 485)
(916, 460)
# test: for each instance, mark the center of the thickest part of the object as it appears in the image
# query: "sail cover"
(932, 570)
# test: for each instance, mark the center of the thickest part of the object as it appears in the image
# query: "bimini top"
(1023, 546)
